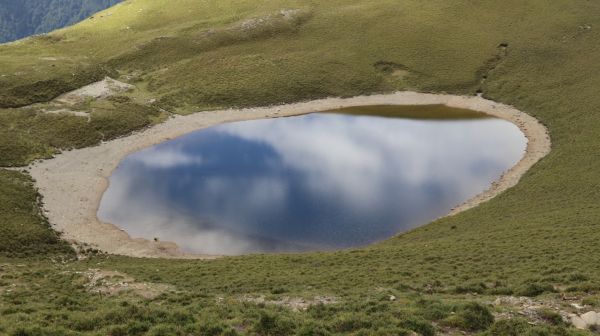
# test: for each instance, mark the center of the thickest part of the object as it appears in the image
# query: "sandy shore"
(73, 182)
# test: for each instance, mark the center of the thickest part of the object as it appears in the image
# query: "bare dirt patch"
(71, 103)
(99, 90)
(538, 311)
(114, 283)
(293, 303)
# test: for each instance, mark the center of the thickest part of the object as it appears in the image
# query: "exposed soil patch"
(544, 311)
(114, 283)
(66, 111)
(530, 308)
(74, 102)
(99, 90)
(285, 20)
(294, 16)
(293, 303)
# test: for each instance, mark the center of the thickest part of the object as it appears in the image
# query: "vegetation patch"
(194, 56)
(295, 304)
(113, 283)
(472, 316)
(24, 231)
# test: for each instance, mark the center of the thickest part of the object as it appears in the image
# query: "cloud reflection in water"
(320, 181)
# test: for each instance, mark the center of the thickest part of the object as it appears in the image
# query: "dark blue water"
(313, 182)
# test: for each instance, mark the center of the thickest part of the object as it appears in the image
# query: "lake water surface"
(321, 181)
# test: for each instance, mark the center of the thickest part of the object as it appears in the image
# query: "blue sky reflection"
(314, 182)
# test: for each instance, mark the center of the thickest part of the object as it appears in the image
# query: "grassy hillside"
(538, 240)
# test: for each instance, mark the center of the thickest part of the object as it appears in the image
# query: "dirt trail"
(73, 182)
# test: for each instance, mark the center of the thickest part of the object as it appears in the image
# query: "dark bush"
(272, 325)
(351, 322)
(313, 329)
(519, 327)
(550, 316)
(472, 316)
(137, 328)
(118, 331)
(534, 289)
(507, 328)
(420, 326)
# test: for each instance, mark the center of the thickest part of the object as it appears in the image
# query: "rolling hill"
(510, 266)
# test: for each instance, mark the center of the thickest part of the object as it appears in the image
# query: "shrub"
(519, 327)
(351, 322)
(137, 328)
(472, 316)
(117, 331)
(84, 323)
(278, 290)
(534, 289)
(321, 311)
(37, 331)
(435, 311)
(163, 330)
(313, 329)
(593, 301)
(550, 316)
(390, 331)
(418, 325)
(578, 277)
(269, 324)
(507, 328)
(478, 288)
(215, 329)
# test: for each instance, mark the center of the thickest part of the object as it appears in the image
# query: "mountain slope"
(23, 18)
(538, 239)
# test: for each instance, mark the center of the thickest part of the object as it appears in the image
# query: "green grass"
(28, 134)
(24, 230)
(538, 239)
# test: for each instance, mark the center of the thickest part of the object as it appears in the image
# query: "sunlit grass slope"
(303, 49)
(538, 239)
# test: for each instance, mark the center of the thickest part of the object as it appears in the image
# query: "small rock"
(392, 298)
(578, 322)
(576, 305)
(591, 318)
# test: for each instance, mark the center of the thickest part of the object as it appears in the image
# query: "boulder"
(578, 322)
(591, 318)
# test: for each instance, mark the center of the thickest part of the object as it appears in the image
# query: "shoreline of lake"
(73, 182)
